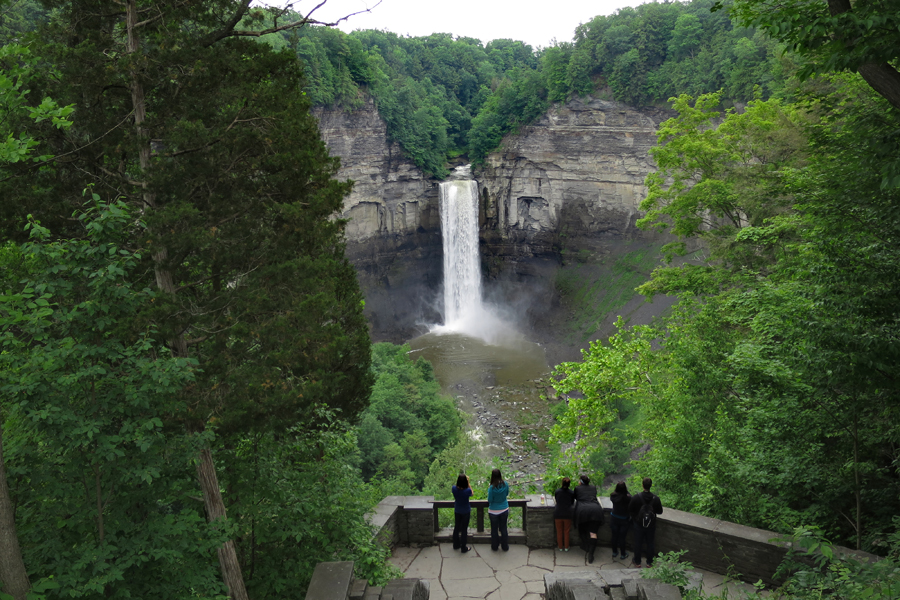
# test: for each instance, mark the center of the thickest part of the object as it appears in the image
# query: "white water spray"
(464, 310)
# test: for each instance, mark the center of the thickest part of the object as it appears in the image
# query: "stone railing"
(479, 506)
(711, 544)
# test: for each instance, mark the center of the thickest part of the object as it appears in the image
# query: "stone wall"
(711, 544)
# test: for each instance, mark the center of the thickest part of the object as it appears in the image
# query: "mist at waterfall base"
(478, 343)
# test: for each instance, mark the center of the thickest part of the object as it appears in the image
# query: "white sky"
(535, 22)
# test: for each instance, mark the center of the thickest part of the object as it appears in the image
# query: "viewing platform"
(522, 572)
(724, 556)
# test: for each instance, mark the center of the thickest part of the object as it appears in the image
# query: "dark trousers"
(499, 534)
(619, 529)
(461, 530)
(644, 537)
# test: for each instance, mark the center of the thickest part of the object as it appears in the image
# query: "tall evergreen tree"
(210, 137)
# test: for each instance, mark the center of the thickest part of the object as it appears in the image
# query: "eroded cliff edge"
(563, 191)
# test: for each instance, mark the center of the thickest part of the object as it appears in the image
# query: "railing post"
(437, 520)
(480, 519)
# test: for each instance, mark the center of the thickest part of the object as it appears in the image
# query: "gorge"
(557, 204)
(556, 243)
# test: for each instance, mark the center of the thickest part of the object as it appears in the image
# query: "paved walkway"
(514, 575)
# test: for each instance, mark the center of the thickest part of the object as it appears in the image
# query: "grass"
(594, 292)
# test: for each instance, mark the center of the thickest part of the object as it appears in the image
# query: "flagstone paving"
(517, 574)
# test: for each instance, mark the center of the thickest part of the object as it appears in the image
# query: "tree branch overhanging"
(229, 30)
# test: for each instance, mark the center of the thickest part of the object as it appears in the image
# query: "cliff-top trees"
(209, 138)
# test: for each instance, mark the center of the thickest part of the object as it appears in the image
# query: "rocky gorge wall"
(566, 186)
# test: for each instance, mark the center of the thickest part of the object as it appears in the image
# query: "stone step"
(516, 536)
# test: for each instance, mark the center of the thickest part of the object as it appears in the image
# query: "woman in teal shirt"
(498, 511)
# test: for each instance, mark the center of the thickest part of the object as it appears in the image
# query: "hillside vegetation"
(443, 96)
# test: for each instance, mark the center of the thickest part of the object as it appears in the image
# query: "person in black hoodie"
(588, 515)
(618, 523)
(644, 535)
(563, 513)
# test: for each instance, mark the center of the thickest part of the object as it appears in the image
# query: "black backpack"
(646, 515)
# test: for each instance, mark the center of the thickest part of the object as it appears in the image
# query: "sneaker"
(635, 565)
(466, 549)
(624, 556)
(560, 549)
(615, 555)
(565, 549)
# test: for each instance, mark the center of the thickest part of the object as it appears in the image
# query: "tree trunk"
(206, 469)
(858, 492)
(13, 577)
(881, 77)
(884, 79)
(215, 509)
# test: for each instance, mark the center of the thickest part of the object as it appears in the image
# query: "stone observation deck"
(536, 573)
(722, 553)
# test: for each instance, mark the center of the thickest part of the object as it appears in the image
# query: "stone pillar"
(419, 519)
(540, 530)
(386, 517)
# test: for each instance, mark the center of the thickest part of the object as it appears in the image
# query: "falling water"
(462, 264)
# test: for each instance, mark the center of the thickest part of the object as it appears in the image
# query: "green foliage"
(101, 483)
(608, 376)
(815, 569)
(301, 501)
(17, 67)
(669, 568)
(768, 393)
(442, 96)
(408, 423)
(715, 181)
(593, 294)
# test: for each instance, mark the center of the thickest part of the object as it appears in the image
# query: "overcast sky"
(534, 22)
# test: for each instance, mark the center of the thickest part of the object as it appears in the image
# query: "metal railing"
(480, 507)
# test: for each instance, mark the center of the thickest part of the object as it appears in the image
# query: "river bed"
(503, 387)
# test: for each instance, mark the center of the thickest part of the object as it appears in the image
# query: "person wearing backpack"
(643, 509)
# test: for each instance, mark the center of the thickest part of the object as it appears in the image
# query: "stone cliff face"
(394, 230)
(574, 179)
(567, 185)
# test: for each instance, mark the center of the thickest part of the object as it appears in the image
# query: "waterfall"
(462, 263)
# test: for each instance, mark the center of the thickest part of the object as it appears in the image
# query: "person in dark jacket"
(588, 515)
(563, 514)
(644, 536)
(618, 522)
(462, 511)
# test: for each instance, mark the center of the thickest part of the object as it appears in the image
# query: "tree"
(86, 388)
(776, 390)
(210, 136)
(834, 35)
(18, 67)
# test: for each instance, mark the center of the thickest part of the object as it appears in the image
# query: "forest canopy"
(444, 96)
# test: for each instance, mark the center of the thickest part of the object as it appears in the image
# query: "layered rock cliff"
(567, 186)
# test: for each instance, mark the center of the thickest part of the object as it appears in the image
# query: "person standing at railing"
(588, 515)
(619, 519)
(563, 514)
(462, 511)
(643, 509)
(498, 511)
